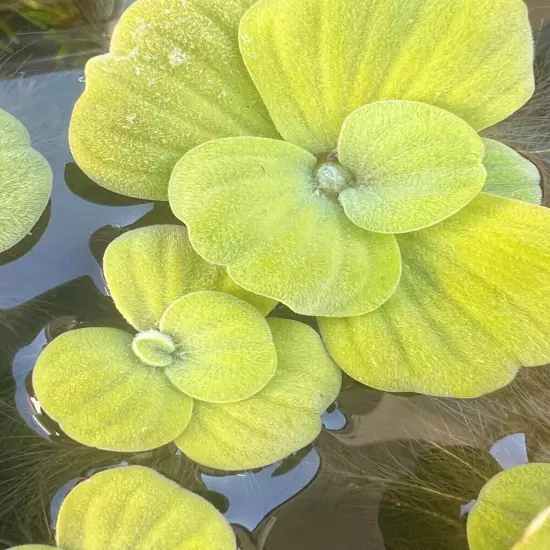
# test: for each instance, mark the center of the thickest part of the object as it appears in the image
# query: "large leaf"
(102, 395)
(279, 420)
(509, 174)
(147, 269)
(224, 348)
(414, 164)
(252, 204)
(316, 61)
(25, 182)
(137, 508)
(512, 508)
(471, 308)
(174, 78)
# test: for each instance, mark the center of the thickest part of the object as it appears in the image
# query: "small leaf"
(135, 507)
(25, 182)
(414, 165)
(471, 308)
(147, 269)
(281, 419)
(224, 348)
(509, 174)
(254, 205)
(90, 382)
(174, 78)
(316, 61)
(512, 508)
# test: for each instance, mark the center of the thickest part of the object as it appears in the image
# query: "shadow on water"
(388, 471)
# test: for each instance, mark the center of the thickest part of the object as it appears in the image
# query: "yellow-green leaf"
(509, 174)
(32, 547)
(414, 165)
(147, 269)
(136, 508)
(255, 206)
(90, 382)
(174, 78)
(279, 420)
(224, 348)
(25, 182)
(471, 308)
(512, 511)
(316, 61)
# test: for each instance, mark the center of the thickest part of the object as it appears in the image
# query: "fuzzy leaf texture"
(25, 182)
(512, 511)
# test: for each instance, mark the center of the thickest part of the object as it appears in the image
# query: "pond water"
(389, 471)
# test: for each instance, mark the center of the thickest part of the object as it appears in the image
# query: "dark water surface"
(389, 471)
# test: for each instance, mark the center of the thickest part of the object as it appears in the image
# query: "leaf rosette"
(205, 368)
(135, 507)
(327, 154)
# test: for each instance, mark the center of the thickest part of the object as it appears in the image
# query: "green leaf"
(316, 61)
(147, 269)
(174, 78)
(135, 507)
(414, 165)
(509, 174)
(512, 508)
(25, 182)
(281, 419)
(32, 547)
(471, 308)
(258, 207)
(90, 382)
(224, 348)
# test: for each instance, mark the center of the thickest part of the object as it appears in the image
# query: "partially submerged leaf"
(509, 174)
(25, 182)
(511, 512)
(414, 165)
(281, 419)
(224, 348)
(135, 507)
(174, 78)
(147, 269)
(252, 204)
(471, 308)
(316, 61)
(90, 381)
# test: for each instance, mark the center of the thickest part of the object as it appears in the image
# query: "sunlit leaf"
(174, 78)
(281, 419)
(102, 395)
(252, 204)
(224, 348)
(414, 165)
(25, 182)
(511, 512)
(147, 269)
(316, 61)
(509, 174)
(471, 308)
(135, 507)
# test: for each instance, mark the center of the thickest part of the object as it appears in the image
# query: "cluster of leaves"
(329, 164)
(135, 507)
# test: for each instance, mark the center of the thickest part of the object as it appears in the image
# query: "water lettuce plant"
(513, 511)
(135, 507)
(204, 369)
(25, 182)
(327, 154)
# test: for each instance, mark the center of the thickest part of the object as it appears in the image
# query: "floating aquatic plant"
(25, 182)
(135, 507)
(513, 511)
(205, 369)
(327, 153)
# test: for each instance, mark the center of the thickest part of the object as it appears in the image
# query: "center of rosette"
(331, 178)
(154, 348)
